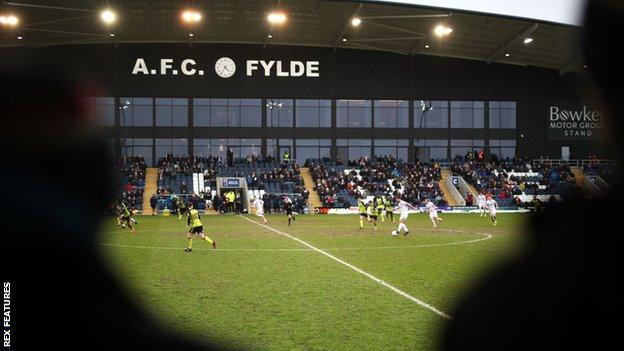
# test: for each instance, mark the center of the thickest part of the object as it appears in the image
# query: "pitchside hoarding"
(574, 121)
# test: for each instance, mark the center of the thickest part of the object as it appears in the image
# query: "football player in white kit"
(433, 212)
(481, 203)
(404, 208)
(492, 206)
(259, 205)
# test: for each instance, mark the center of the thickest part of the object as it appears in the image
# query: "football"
(394, 233)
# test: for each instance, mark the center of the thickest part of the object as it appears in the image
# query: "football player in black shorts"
(362, 209)
(371, 211)
(288, 208)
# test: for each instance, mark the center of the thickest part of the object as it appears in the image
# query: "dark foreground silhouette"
(564, 292)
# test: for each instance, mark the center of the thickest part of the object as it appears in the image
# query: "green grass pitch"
(264, 290)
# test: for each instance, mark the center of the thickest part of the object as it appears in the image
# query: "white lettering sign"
(574, 122)
(191, 67)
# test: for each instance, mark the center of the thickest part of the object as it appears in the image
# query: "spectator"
(469, 199)
(153, 203)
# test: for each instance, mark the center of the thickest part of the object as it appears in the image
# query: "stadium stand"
(284, 178)
(265, 178)
(340, 186)
(605, 171)
(131, 181)
(512, 180)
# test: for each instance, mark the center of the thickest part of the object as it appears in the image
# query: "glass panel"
(313, 113)
(180, 116)
(136, 112)
(218, 115)
(430, 114)
(495, 119)
(382, 151)
(163, 116)
(508, 152)
(467, 114)
(251, 116)
(438, 153)
(104, 114)
(353, 114)
(502, 115)
(402, 154)
(227, 112)
(391, 113)
(201, 115)
(508, 118)
(360, 142)
(306, 152)
(279, 113)
(358, 152)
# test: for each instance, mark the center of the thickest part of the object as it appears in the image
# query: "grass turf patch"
(263, 290)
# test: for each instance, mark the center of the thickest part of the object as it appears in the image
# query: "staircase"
(445, 190)
(314, 200)
(151, 185)
(579, 175)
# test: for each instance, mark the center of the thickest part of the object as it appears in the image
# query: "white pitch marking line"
(198, 249)
(486, 237)
(366, 274)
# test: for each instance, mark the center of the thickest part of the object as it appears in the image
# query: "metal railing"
(576, 162)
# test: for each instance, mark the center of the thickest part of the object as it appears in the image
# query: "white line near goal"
(366, 274)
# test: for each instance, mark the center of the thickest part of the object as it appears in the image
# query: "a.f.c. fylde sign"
(226, 67)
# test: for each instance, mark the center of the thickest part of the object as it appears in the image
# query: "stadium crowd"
(595, 168)
(175, 178)
(505, 179)
(340, 186)
(131, 171)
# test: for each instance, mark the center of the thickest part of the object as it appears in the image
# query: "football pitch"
(321, 284)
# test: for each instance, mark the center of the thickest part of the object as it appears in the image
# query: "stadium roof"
(403, 29)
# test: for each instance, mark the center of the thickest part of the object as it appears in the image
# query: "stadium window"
(227, 112)
(276, 148)
(459, 148)
(250, 147)
(101, 110)
(241, 148)
(431, 149)
(503, 148)
(138, 147)
(391, 113)
(202, 147)
(218, 147)
(431, 114)
(354, 114)
(136, 112)
(218, 112)
(502, 114)
(171, 112)
(392, 147)
(251, 113)
(313, 113)
(279, 113)
(311, 149)
(467, 114)
(171, 146)
(353, 149)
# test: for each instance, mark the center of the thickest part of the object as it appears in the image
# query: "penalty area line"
(358, 270)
